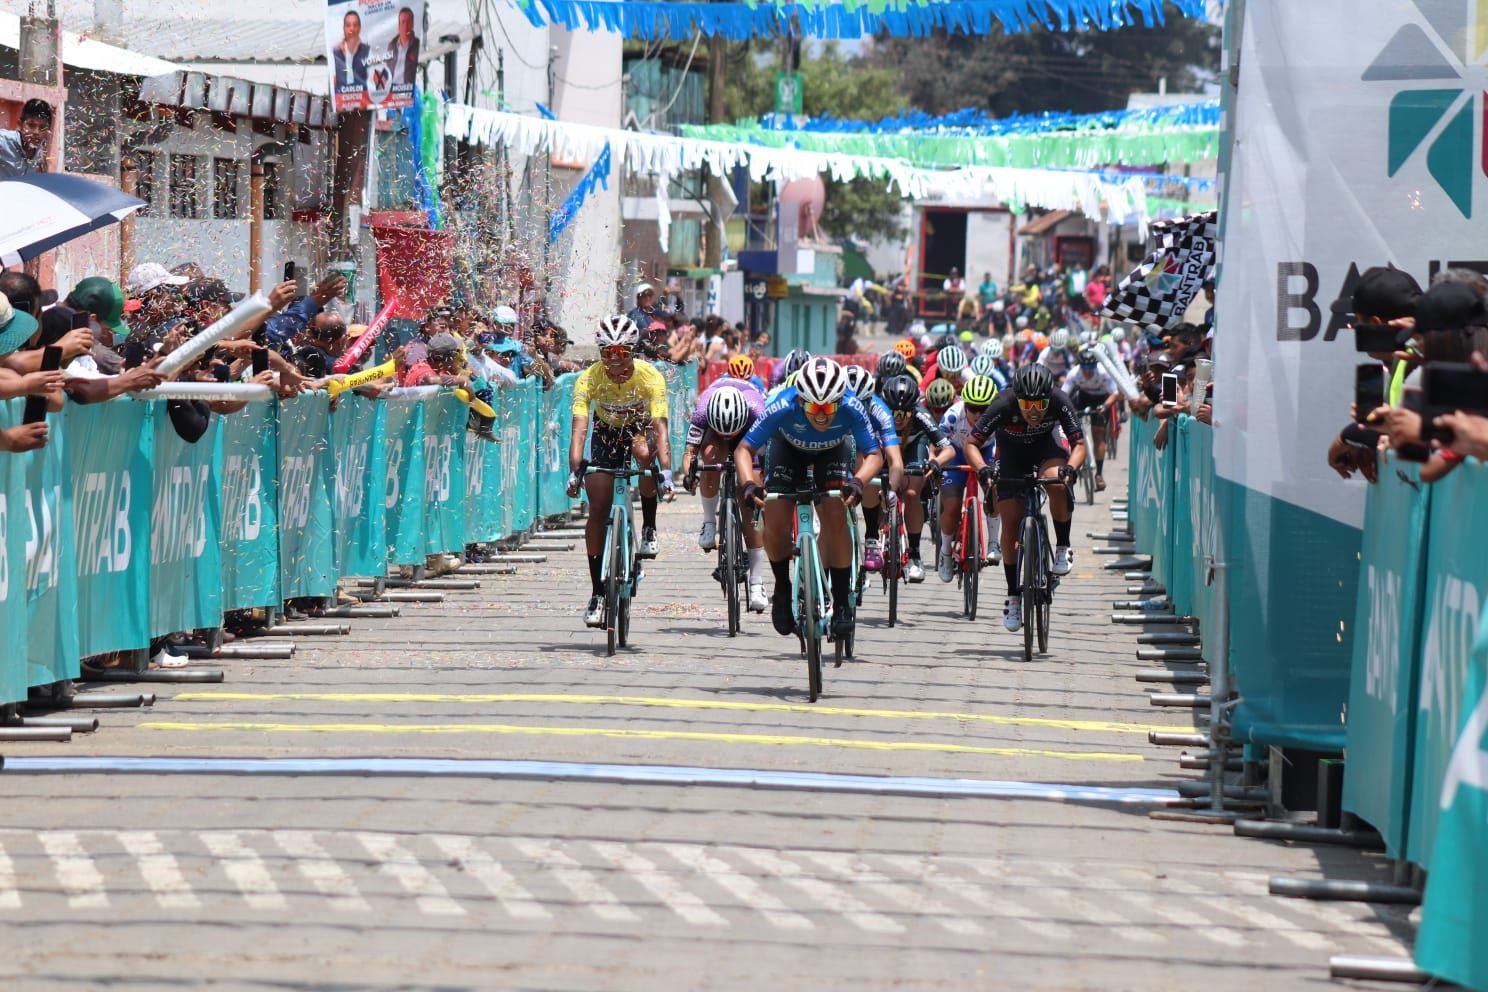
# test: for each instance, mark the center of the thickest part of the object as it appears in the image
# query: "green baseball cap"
(103, 299)
(16, 326)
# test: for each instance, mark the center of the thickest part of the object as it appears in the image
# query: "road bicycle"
(894, 539)
(620, 566)
(1035, 558)
(1087, 470)
(969, 544)
(809, 588)
(733, 566)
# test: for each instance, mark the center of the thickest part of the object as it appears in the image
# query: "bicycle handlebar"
(627, 472)
(807, 495)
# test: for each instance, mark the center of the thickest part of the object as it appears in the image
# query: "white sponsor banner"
(372, 52)
(1359, 142)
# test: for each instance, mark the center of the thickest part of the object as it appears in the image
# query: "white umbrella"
(42, 210)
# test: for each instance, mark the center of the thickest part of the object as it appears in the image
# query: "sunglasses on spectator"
(1032, 404)
(820, 409)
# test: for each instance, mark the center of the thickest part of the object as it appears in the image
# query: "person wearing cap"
(646, 309)
(442, 366)
(98, 374)
(23, 297)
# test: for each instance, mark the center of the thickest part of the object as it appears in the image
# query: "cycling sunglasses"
(1033, 404)
(819, 409)
(614, 353)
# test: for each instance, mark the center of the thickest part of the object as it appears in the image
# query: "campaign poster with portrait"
(372, 51)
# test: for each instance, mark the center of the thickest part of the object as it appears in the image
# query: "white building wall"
(989, 246)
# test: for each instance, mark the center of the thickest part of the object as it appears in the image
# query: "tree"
(1045, 70)
(836, 85)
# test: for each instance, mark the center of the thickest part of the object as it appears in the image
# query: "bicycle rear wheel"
(810, 632)
(1032, 553)
(893, 567)
(1087, 482)
(971, 562)
(728, 538)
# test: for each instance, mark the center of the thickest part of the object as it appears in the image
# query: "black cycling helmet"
(900, 393)
(890, 364)
(1087, 357)
(1033, 382)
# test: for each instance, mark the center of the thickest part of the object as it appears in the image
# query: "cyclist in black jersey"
(918, 433)
(1023, 420)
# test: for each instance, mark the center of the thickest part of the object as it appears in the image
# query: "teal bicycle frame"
(620, 574)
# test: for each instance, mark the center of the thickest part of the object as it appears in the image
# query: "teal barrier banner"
(552, 462)
(13, 680)
(108, 455)
(404, 496)
(1181, 569)
(358, 438)
(523, 494)
(51, 582)
(1163, 465)
(1193, 592)
(508, 481)
(1293, 581)
(1382, 689)
(482, 501)
(307, 487)
(1451, 941)
(1456, 536)
(1142, 504)
(445, 418)
(250, 507)
(185, 529)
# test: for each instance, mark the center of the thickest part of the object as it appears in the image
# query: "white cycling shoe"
(708, 536)
(648, 543)
(947, 567)
(594, 612)
(914, 571)
(1064, 560)
(1012, 613)
(757, 598)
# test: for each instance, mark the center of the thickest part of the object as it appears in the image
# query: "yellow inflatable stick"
(479, 406)
(339, 386)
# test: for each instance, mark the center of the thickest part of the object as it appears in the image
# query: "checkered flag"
(1157, 292)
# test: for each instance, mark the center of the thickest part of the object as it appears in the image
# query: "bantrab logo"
(1437, 111)
(1164, 278)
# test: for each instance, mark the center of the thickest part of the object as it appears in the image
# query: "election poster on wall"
(372, 52)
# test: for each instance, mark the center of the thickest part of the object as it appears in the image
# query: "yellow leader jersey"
(638, 399)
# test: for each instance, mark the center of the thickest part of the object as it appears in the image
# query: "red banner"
(414, 266)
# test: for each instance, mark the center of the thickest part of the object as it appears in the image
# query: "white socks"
(710, 509)
(756, 566)
(945, 543)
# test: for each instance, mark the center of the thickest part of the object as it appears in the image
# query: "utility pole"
(717, 184)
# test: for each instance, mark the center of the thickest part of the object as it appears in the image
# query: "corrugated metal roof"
(248, 41)
(85, 53)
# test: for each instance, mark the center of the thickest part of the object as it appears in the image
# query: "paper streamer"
(357, 379)
(469, 399)
(368, 337)
(408, 393)
(246, 312)
(230, 392)
(975, 121)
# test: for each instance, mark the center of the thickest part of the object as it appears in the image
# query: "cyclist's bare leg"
(643, 450)
(914, 509)
(1059, 497)
(835, 547)
(1011, 512)
(777, 537)
(600, 488)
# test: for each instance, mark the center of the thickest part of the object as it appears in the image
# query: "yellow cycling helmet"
(980, 391)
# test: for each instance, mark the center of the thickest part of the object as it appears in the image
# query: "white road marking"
(246, 869)
(321, 870)
(159, 869)
(396, 862)
(743, 888)
(75, 870)
(1028, 916)
(1243, 909)
(516, 900)
(908, 893)
(10, 896)
(1132, 886)
(825, 893)
(660, 884)
(576, 879)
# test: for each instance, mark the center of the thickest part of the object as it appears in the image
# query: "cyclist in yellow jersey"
(629, 401)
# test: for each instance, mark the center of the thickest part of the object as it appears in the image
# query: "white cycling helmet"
(992, 349)
(821, 380)
(861, 381)
(951, 359)
(617, 329)
(728, 411)
(1021, 322)
(1059, 340)
(1118, 333)
(983, 364)
(998, 306)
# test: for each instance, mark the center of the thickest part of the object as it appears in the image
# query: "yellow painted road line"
(1099, 726)
(653, 735)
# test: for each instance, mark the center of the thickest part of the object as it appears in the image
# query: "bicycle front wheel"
(728, 537)
(614, 579)
(810, 630)
(971, 564)
(1032, 552)
(893, 567)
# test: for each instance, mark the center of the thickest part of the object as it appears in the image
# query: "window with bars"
(226, 200)
(144, 181)
(185, 196)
